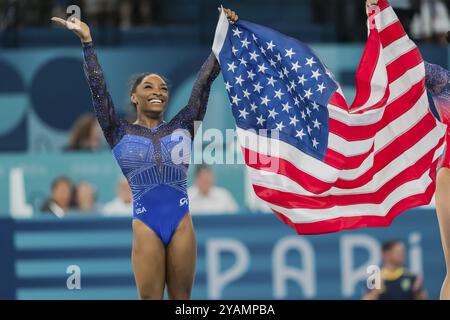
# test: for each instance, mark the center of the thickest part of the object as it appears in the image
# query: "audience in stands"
(432, 22)
(122, 205)
(85, 135)
(61, 197)
(206, 198)
(85, 198)
(397, 283)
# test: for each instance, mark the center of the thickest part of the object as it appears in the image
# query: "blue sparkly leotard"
(155, 161)
(438, 83)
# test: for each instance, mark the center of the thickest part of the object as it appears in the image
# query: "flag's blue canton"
(276, 83)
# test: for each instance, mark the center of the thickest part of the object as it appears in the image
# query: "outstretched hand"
(78, 27)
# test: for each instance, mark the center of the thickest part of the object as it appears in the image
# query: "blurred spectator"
(61, 197)
(405, 10)
(122, 205)
(397, 283)
(85, 198)
(432, 22)
(206, 198)
(85, 135)
(136, 12)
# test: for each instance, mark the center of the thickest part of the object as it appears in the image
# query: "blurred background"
(63, 200)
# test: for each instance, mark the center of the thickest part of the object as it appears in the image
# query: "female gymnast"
(438, 84)
(148, 152)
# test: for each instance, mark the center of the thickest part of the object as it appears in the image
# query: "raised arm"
(196, 107)
(102, 102)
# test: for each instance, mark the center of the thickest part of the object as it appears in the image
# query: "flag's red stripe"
(366, 69)
(391, 34)
(291, 200)
(392, 112)
(383, 4)
(400, 66)
(344, 162)
(316, 186)
(338, 100)
(363, 221)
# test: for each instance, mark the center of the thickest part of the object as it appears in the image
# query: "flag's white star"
(239, 80)
(237, 32)
(253, 107)
(280, 126)
(278, 94)
(257, 87)
(243, 61)
(285, 71)
(302, 80)
(294, 120)
(262, 68)
(308, 93)
(315, 106)
(272, 63)
(265, 100)
(243, 114)
(300, 134)
(254, 37)
(270, 45)
(293, 85)
(278, 56)
(271, 81)
(286, 107)
(310, 62)
(303, 115)
(296, 102)
(246, 94)
(321, 87)
(289, 53)
(273, 113)
(295, 66)
(308, 111)
(315, 143)
(245, 43)
(316, 74)
(254, 56)
(231, 66)
(309, 129)
(234, 50)
(280, 73)
(317, 124)
(262, 50)
(261, 120)
(235, 99)
(228, 86)
(250, 74)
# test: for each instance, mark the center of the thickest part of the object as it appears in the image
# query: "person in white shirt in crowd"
(206, 198)
(122, 205)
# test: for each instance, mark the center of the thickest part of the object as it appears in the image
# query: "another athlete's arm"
(103, 105)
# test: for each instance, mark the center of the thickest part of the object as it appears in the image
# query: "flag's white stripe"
(378, 84)
(385, 18)
(221, 34)
(397, 90)
(408, 189)
(385, 135)
(319, 169)
(367, 118)
(282, 183)
(401, 86)
(397, 49)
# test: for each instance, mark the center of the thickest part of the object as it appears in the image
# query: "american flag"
(338, 166)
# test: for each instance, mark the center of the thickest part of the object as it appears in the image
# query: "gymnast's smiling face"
(150, 96)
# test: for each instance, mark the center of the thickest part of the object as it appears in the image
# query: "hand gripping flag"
(321, 164)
